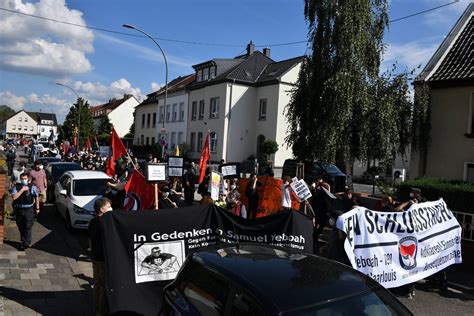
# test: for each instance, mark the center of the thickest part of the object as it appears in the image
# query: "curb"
(460, 287)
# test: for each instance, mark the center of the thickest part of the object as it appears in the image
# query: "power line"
(203, 43)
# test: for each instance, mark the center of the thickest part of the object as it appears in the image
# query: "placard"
(175, 161)
(230, 170)
(175, 172)
(156, 172)
(301, 189)
(215, 185)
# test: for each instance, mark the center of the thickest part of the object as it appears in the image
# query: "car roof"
(288, 279)
(60, 163)
(87, 174)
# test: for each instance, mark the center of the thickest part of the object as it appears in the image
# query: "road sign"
(162, 141)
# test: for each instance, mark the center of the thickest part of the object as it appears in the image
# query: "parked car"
(328, 172)
(75, 193)
(54, 170)
(256, 279)
(46, 160)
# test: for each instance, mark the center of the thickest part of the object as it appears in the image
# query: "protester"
(39, 179)
(334, 248)
(235, 206)
(16, 178)
(101, 206)
(176, 191)
(25, 197)
(321, 205)
(286, 194)
(189, 185)
(415, 197)
(349, 201)
(11, 156)
(164, 201)
(251, 193)
(386, 204)
(203, 188)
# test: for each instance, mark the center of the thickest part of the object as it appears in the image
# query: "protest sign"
(135, 278)
(399, 248)
(230, 170)
(175, 166)
(301, 189)
(215, 185)
(156, 172)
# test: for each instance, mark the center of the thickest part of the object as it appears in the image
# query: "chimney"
(250, 48)
(266, 52)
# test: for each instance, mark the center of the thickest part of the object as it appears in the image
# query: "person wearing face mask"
(16, 179)
(25, 197)
(101, 206)
(415, 197)
(39, 179)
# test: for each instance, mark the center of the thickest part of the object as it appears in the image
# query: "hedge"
(459, 195)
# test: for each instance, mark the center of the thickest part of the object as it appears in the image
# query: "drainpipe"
(229, 120)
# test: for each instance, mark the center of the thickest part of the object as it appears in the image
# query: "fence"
(466, 220)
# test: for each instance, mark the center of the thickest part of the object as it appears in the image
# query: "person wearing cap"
(39, 179)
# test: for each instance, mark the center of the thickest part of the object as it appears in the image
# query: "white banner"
(301, 189)
(398, 248)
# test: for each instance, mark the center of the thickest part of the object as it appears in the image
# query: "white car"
(75, 192)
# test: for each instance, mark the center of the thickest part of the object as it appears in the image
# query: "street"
(54, 276)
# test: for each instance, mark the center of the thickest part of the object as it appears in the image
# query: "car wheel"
(68, 222)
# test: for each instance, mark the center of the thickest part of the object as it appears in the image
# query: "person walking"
(101, 206)
(251, 193)
(11, 156)
(16, 177)
(39, 179)
(25, 205)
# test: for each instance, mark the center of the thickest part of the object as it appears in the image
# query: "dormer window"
(199, 75)
(205, 74)
(212, 72)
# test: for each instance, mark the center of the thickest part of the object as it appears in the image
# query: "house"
(31, 124)
(449, 76)
(118, 111)
(241, 102)
(172, 120)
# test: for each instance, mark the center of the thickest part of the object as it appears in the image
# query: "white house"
(31, 124)
(172, 120)
(241, 101)
(119, 112)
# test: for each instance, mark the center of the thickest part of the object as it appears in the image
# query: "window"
(19, 119)
(181, 111)
(168, 114)
(148, 118)
(201, 109)
(193, 142)
(152, 141)
(13, 127)
(194, 111)
(142, 140)
(469, 167)
(147, 141)
(143, 120)
(180, 138)
(19, 127)
(25, 128)
(175, 112)
(154, 120)
(205, 74)
(162, 114)
(213, 140)
(31, 128)
(262, 110)
(214, 108)
(199, 75)
(199, 142)
(173, 140)
(471, 117)
(212, 72)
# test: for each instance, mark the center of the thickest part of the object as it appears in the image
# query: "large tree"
(342, 107)
(104, 130)
(79, 118)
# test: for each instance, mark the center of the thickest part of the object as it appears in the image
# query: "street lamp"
(78, 109)
(129, 26)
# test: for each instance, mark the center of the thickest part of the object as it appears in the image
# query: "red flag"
(118, 150)
(142, 189)
(205, 156)
(75, 140)
(88, 144)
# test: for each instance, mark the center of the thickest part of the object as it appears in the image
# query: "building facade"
(25, 124)
(119, 112)
(449, 77)
(241, 102)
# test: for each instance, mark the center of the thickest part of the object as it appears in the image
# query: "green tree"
(104, 130)
(79, 118)
(5, 112)
(342, 108)
(131, 132)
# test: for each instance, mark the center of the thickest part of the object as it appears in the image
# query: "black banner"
(144, 250)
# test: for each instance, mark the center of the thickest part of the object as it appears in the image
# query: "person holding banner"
(251, 192)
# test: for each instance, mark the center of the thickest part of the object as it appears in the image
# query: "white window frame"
(212, 72)
(26, 119)
(205, 74)
(213, 142)
(262, 105)
(214, 108)
(168, 112)
(199, 141)
(202, 109)
(175, 112)
(181, 111)
(13, 127)
(31, 128)
(25, 128)
(194, 110)
(199, 75)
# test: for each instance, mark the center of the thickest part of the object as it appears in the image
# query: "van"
(313, 170)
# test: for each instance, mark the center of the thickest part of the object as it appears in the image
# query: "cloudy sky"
(108, 60)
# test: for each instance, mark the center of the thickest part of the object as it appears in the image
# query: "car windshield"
(89, 187)
(330, 168)
(372, 302)
(58, 170)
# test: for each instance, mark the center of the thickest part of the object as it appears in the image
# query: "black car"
(256, 279)
(54, 171)
(47, 160)
(312, 170)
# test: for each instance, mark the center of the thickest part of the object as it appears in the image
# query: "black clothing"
(95, 236)
(24, 218)
(348, 203)
(26, 198)
(252, 197)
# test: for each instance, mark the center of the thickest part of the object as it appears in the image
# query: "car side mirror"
(63, 192)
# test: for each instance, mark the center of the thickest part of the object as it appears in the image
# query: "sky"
(35, 54)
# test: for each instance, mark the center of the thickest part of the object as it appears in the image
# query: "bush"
(458, 195)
